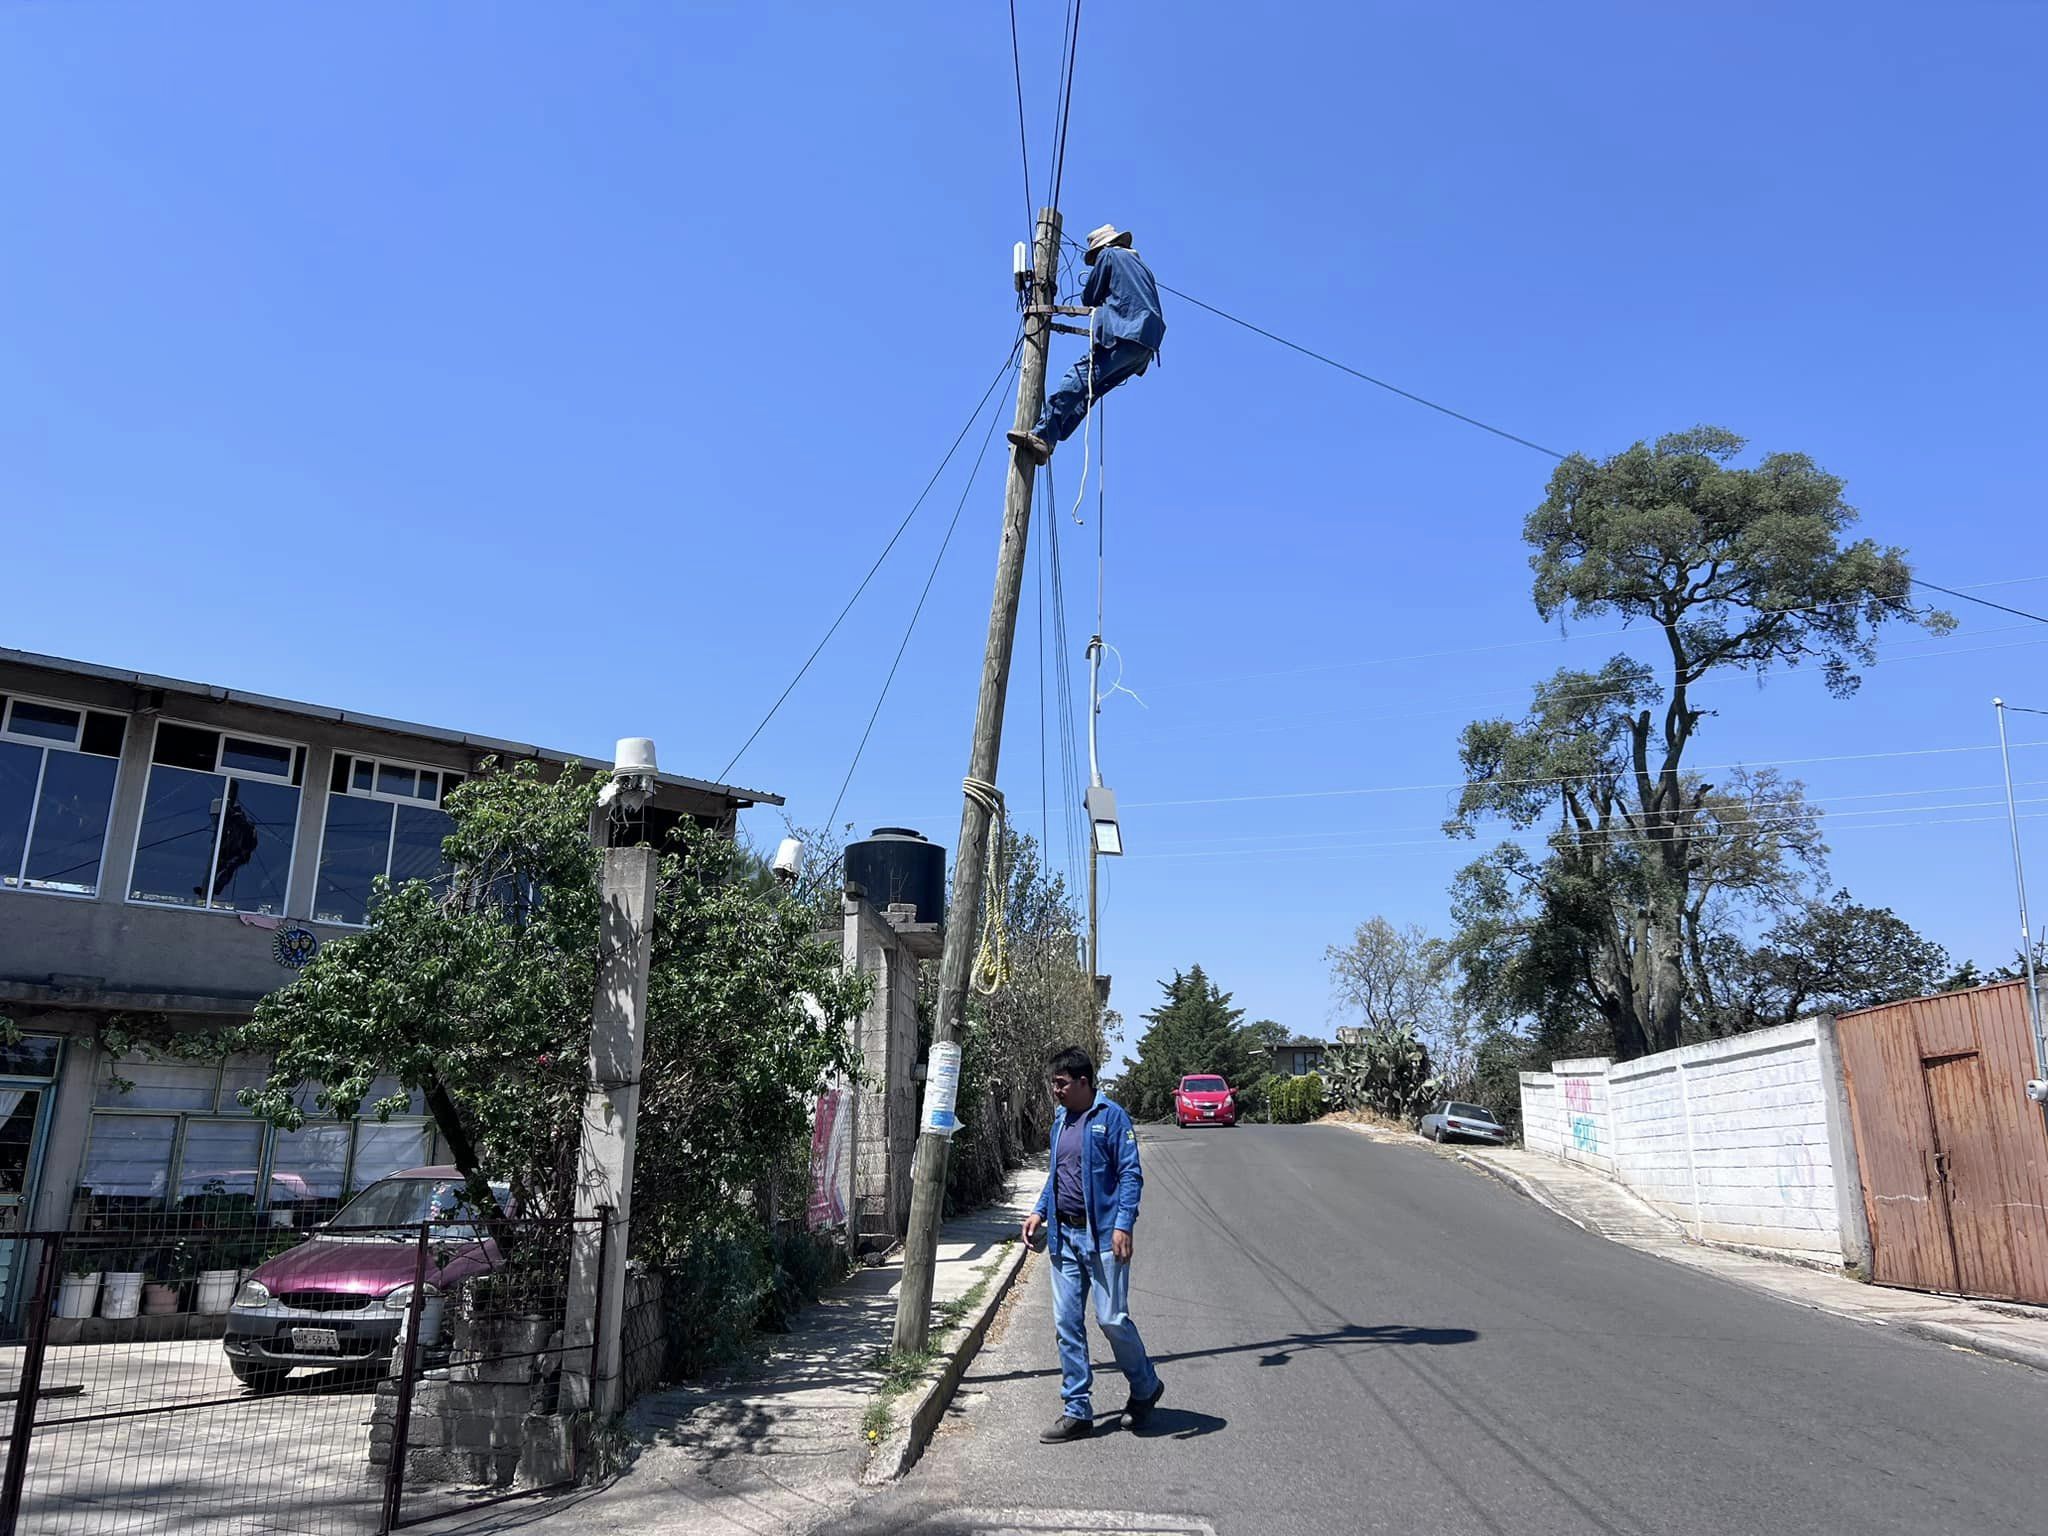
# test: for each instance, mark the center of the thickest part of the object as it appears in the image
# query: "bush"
(1293, 1100)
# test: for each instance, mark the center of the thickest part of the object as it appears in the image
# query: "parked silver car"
(1453, 1121)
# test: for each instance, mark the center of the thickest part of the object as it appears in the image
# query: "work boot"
(1031, 445)
(1068, 1428)
(1139, 1409)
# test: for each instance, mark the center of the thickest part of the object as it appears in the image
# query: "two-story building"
(174, 849)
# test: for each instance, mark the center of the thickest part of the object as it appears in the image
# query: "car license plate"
(316, 1341)
(1208, 1109)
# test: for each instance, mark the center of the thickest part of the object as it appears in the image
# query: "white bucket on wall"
(216, 1291)
(78, 1295)
(121, 1294)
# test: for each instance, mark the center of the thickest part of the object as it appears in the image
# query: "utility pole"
(2019, 876)
(1094, 782)
(970, 856)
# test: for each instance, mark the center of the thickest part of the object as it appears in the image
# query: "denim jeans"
(1068, 403)
(1078, 1268)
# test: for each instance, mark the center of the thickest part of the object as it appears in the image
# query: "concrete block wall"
(1745, 1140)
(1585, 1129)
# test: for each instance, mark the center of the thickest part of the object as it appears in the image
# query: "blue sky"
(555, 371)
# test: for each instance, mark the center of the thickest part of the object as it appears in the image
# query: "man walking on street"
(1088, 1211)
(1126, 331)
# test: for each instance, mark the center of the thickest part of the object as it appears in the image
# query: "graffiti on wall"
(1578, 1107)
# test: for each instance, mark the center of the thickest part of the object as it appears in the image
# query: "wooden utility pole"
(970, 854)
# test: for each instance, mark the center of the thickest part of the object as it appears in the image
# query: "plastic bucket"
(121, 1293)
(216, 1291)
(78, 1295)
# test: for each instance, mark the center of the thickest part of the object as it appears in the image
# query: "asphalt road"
(1360, 1337)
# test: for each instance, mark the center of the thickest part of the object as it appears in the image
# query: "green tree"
(477, 991)
(1737, 570)
(1195, 1029)
(1400, 980)
(1831, 956)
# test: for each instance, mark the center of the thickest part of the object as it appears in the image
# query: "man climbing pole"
(1127, 328)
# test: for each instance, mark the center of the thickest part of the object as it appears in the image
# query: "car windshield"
(393, 1203)
(1470, 1112)
(1203, 1085)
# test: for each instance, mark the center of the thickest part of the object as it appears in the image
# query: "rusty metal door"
(1967, 1177)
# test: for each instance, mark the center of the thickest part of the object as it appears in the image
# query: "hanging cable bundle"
(991, 971)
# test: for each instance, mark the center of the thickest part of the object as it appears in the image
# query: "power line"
(1568, 778)
(1405, 394)
(781, 698)
(1023, 139)
(1073, 50)
(1824, 806)
(1983, 601)
(946, 543)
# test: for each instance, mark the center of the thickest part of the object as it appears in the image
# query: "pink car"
(1204, 1100)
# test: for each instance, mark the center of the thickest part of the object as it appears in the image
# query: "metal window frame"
(382, 798)
(227, 776)
(14, 884)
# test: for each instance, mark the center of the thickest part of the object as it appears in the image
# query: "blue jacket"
(1110, 1174)
(1125, 299)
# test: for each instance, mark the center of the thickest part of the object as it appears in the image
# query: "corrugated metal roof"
(368, 722)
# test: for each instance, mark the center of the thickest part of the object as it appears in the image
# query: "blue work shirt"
(1125, 299)
(1112, 1179)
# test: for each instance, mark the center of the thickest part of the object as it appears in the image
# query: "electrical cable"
(1023, 138)
(995, 417)
(1067, 108)
(1405, 394)
(1573, 778)
(1983, 601)
(818, 650)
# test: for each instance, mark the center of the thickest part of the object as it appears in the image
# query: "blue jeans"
(1078, 1268)
(1066, 405)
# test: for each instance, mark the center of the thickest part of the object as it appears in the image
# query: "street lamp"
(1109, 837)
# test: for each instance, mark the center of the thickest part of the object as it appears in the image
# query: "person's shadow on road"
(1178, 1424)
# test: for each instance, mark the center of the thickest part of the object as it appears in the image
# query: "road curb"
(1523, 1187)
(899, 1453)
(1982, 1343)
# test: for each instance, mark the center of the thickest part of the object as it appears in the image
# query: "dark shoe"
(1031, 445)
(1068, 1428)
(1139, 1409)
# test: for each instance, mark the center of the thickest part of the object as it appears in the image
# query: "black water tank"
(895, 864)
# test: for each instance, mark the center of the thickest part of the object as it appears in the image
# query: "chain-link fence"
(217, 1373)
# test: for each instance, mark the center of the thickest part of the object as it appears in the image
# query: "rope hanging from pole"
(991, 972)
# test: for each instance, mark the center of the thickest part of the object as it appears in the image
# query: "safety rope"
(1081, 494)
(991, 971)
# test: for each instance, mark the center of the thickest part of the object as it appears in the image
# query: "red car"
(1204, 1101)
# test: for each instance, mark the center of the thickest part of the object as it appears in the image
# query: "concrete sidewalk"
(779, 1446)
(1602, 1206)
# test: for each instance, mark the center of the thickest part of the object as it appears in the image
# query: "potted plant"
(218, 1275)
(164, 1294)
(80, 1291)
(121, 1285)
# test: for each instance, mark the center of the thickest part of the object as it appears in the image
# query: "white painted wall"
(1744, 1140)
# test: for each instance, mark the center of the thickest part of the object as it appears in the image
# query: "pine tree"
(1195, 1029)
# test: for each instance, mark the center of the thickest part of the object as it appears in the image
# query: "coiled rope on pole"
(991, 971)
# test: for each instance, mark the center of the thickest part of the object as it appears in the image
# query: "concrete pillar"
(886, 946)
(592, 1377)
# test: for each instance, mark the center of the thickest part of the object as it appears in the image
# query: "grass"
(904, 1369)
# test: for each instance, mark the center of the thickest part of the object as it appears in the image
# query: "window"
(57, 769)
(218, 821)
(383, 820)
(177, 1138)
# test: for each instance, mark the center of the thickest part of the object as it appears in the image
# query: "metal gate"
(385, 1377)
(1954, 1158)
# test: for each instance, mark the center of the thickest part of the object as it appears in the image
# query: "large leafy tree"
(1734, 570)
(477, 991)
(1831, 955)
(1195, 1028)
